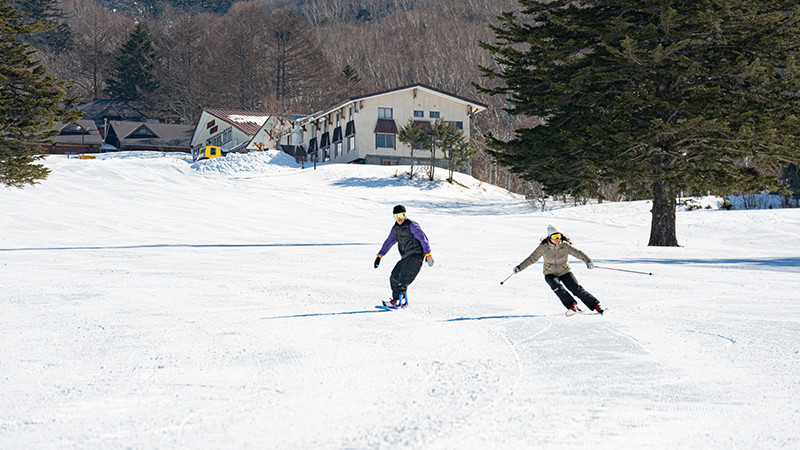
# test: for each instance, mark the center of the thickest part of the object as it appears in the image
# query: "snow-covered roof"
(247, 121)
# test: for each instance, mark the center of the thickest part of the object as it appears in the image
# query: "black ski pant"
(404, 273)
(568, 280)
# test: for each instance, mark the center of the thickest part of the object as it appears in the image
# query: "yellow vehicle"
(207, 152)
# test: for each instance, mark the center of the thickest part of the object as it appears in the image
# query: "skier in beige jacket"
(555, 249)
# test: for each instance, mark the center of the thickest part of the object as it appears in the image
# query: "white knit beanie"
(551, 230)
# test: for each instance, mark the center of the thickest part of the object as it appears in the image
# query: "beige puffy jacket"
(555, 257)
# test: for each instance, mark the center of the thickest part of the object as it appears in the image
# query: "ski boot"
(391, 303)
(403, 301)
(599, 309)
(573, 310)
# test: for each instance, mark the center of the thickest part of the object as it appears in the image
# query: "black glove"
(517, 269)
(377, 261)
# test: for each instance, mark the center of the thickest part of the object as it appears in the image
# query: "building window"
(384, 113)
(459, 125)
(337, 149)
(434, 114)
(418, 113)
(384, 141)
(216, 141)
(227, 135)
(351, 144)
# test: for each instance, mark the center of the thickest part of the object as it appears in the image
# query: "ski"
(571, 312)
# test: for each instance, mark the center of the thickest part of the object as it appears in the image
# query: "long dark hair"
(564, 238)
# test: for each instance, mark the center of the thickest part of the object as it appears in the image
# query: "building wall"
(282, 131)
(365, 114)
(403, 105)
(211, 127)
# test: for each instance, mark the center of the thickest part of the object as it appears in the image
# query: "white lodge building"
(230, 129)
(364, 129)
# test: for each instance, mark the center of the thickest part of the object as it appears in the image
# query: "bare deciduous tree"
(182, 44)
(301, 73)
(240, 57)
(96, 33)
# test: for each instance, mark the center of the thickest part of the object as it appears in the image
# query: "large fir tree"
(133, 75)
(58, 36)
(661, 94)
(30, 101)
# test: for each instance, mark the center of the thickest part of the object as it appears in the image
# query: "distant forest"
(285, 56)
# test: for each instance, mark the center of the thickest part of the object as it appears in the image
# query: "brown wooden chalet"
(101, 111)
(142, 136)
(80, 136)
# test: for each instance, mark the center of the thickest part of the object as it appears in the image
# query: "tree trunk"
(662, 225)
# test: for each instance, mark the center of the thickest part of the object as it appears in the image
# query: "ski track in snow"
(147, 301)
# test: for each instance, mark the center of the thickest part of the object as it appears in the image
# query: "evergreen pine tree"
(670, 95)
(57, 36)
(791, 178)
(30, 102)
(133, 75)
(350, 75)
(415, 137)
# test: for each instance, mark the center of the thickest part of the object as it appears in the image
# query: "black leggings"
(572, 284)
(404, 273)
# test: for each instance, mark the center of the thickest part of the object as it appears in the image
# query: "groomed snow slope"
(147, 301)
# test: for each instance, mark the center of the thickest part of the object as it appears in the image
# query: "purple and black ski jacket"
(410, 239)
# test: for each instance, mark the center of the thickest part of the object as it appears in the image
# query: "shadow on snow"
(757, 262)
(344, 313)
(526, 316)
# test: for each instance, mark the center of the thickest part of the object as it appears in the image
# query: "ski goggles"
(555, 236)
(400, 216)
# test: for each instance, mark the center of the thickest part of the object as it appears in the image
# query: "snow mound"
(268, 162)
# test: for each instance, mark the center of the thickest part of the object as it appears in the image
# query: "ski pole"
(621, 270)
(512, 274)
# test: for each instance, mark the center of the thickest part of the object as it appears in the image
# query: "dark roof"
(325, 140)
(70, 133)
(337, 134)
(350, 129)
(97, 110)
(386, 126)
(420, 85)
(152, 135)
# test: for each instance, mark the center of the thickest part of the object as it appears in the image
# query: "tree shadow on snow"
(377, 182)
(756, 263)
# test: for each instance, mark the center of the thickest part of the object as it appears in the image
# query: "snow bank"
(268, 162)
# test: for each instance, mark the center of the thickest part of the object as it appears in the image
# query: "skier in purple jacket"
(414, 248)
